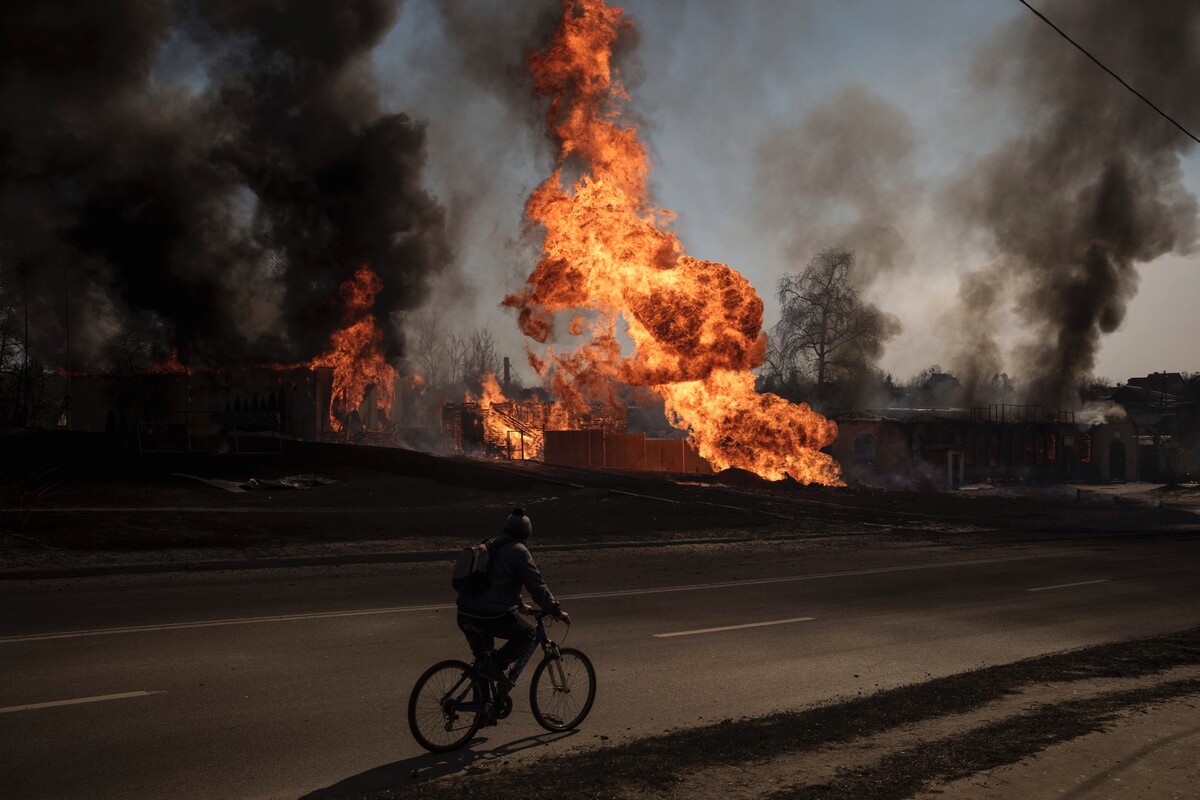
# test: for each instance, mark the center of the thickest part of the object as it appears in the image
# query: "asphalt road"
(285, 683)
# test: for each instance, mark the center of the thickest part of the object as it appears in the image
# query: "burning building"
(592, 437)
(202, 178)
(517, 429)
(228, 408)
(350, 390)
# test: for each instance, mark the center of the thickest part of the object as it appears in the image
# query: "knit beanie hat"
(518, 525)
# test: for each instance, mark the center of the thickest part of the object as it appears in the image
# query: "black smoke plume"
(212, 170)
(1089, 189)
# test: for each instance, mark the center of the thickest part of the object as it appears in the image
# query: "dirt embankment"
(63, 494)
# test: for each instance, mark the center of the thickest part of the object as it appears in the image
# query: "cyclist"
(496, 610)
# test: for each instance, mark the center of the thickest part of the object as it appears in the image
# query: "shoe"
(495, 674)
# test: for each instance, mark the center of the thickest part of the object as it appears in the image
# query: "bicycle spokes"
(445, 707)
(562, 690)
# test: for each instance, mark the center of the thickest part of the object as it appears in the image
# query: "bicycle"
(452, 699)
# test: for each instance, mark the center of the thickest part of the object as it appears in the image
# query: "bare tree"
(456, 358)
(922, 377)
(428, 349)
(825, 330)
(1099, 387)
(452, 363)
(781, 375)
(482, 357)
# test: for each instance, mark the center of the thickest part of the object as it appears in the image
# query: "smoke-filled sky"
(973, 159)
(216, 168)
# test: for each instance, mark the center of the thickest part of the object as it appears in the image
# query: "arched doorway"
(1116, 461)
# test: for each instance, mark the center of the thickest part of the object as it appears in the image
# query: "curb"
(418, 556)
(410, 557)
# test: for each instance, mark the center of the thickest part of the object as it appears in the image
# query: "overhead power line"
(1145, 100)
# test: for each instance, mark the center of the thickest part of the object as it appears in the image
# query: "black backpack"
(472, 569)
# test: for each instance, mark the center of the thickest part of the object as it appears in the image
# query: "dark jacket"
(512, 569)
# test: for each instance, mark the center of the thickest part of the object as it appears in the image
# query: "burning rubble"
(495, 425)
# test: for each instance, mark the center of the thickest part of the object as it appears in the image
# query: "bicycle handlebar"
(538, 613)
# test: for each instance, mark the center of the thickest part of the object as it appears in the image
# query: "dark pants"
(481, 633)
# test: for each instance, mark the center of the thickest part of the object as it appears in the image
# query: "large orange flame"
(695, 326)
(491, 391)
(356, 352)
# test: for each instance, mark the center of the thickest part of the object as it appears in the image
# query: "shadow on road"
(432, 765)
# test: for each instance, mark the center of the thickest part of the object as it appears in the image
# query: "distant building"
(1165, 410)
(1169, 383)
(944, 448)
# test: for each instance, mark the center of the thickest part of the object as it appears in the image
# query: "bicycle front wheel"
(436, 715)
(562, 690)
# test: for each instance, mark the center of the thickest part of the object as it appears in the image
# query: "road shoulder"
(1078, 715)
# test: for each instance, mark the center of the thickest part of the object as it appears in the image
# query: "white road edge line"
(1067, 585)
(215, 623)
(100, 698)
(733, 627)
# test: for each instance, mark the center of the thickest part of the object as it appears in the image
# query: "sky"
(724, 92)
(210, 174)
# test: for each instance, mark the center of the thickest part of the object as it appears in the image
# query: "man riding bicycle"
(496, 610)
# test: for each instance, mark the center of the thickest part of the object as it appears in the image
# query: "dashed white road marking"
(797, 578)
(317, 615)
(99, 698)
(733, 627)
(1067, 585)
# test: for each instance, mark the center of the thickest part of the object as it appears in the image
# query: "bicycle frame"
(540, 638)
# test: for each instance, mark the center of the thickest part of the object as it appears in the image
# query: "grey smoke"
(461, 62)
(209, 170)
(1090, 188)
(841, 177)
(974, 353)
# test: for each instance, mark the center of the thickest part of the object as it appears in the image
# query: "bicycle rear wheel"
(562, 690)
(435, 717)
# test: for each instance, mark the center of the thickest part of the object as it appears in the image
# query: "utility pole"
(67, 319)
(23, 416)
